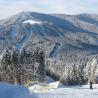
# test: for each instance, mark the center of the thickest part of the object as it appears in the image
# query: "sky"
(11, 7)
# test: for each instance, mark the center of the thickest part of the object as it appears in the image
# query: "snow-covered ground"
(16, 91)
(70, 92)
(13, 91)
(32, 21)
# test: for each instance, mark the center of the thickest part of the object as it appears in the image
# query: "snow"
(24, 39)
(70, 92)
(13, 91)
(13, 32)
(32, 22)
(48, 79)
(38, 30)
(54, 52)
(16, 91)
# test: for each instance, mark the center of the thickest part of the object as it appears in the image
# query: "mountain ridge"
(51, 25)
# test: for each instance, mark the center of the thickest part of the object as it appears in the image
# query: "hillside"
(68, 40)
(72, 31)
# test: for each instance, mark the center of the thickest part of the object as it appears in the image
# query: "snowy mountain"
(73, 31)
(66, 39)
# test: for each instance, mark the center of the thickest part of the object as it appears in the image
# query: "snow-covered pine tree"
(20, 67)
(39, 64)
(93, 70)
(73, 75)
(80, 75)
(26, 60)
(5, 68)
(66, 75)
(90, 70)
(16, 66)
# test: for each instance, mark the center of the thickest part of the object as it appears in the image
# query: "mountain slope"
(67, 40)
(15, 31)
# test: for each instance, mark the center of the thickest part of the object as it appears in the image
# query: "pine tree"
(39, 61)
(20, 67)
(16, 66)
(90, 70)
(26, 60)
(74, 77)
(66, 75)
(5, 69)
(80, 75)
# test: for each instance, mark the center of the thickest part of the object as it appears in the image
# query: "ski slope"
(32, 22)
(16, 91)
(70, 92)
(13, 91)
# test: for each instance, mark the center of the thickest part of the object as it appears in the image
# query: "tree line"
(73, 69)
(21, 67)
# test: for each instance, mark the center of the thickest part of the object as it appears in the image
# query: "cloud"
(10, 7)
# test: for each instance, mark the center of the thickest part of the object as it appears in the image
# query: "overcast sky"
(11, 7)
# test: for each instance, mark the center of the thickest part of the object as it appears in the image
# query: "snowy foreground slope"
(16, 91)
(13, 91)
